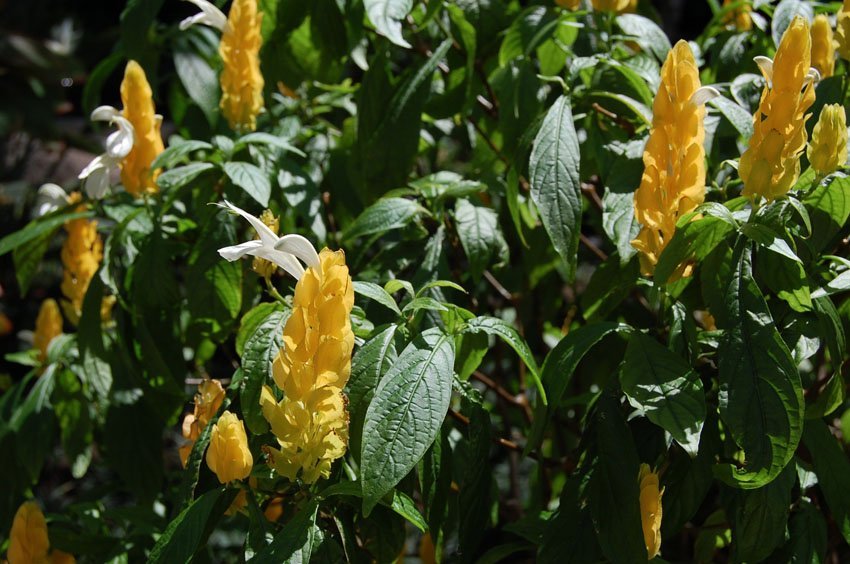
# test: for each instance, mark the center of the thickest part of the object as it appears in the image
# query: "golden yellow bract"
(842, 31)
(650, 510)
(28, 539)
(241, 80)
(207, 401)
(48, 325)
(823, 46)
(311, 421)
(740, 16)
(81, 254)
(771, 163)
(673, 181)
(137, 97)
(228, 455)
(569, 4)
(619, 6)
(827, 150)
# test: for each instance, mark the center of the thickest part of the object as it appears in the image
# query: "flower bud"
(650, 510)
(827, 150)
(28, 540)
(228, 455)
(823, 46)
(48, 325)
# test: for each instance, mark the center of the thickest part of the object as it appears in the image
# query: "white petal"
(703, 95)
(813, 74)
(766, 67)
(267, 236)
(284, 260)
(300, 247)
(97, 163)
(50, 197)
(120, 143)
(104, 113)
(210, 15)
(97, 184)
(236, 252)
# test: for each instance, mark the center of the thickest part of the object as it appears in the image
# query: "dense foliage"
(463, 280)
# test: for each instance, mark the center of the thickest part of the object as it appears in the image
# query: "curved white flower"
(285, 251)
(50, 198)
(209, 15)
(95, 176)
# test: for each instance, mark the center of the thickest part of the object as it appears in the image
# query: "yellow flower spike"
(28, 542)
(673, 181)
(48, 325)
(207, 401)
(261, 266)
(241, 79)
(823, 46)
(650, 510)
(771, 163)
(842, 31)
(139, 110)
(228, 455)
(81, 254)
(312, 367)
(828, 149)
(740, 16)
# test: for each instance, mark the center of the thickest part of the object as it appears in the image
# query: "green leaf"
(569, 537)
(27, 258)
(507, 333)
(250, 178)
(189, 531)
(555, 186)
(378, 294)
(829, 208)
(182, 175)
(611, 283)
(261, 348)
(473, 455)
(761, 397)
(613, 494)
(787, 278)
(422, 302)
(527, 32)
(370, 363)
(38, 227)
(253, 319)
(808, 534)
(758, 523)
(665, 387)
(295, 542)
(646, 33)
(406, 413)
(739, 117)
(198, 77)
(386, 16)
(481, 237)
(769, 239)
(192, 471)
(175, 153)
(262, 138)
(692, 241)
(384, 215)
(833, 470)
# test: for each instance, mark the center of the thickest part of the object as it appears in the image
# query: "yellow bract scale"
(241, 79)
(673, 181)
(48, 325)
(313, 366)
(650, 510)
(771, 164)
(228, 455)
(137, 97)
(823, 46)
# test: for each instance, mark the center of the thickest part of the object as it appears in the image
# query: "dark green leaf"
(384, 215)
(758, 523)
(182, 175)
(481, 237)
(189, 531)
(833, 470)
(261, 348)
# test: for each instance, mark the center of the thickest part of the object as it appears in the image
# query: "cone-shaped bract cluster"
(828, 148)
(137, 97)
(48, 326)
(241, 79)
(673, 181)
(771, 164)
(312, 367)
(228, 455)
(650, 510)
(81, 256)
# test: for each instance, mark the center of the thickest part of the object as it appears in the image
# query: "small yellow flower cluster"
(650, 510)
(241, 80)
(48, 325)
(311, 421)
(28, 540)
(207, 401)
(137, 97)
(81, 256)
(673, 181)
(827, 151)
(228, 455)
(740, 16)
(771, 164)
(261, 266)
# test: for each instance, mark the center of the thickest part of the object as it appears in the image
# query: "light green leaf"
(386, 16)
(555, 186)
(507, 333)
(250, 178)
(182, 175)
(406, 413)
(376, 293)
(646, 33)
(384, 215)
(173, 154)
(481, 237)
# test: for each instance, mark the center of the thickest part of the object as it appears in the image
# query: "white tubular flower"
(50, 198)
(95, 176)
(285, 251)
(209, 15)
